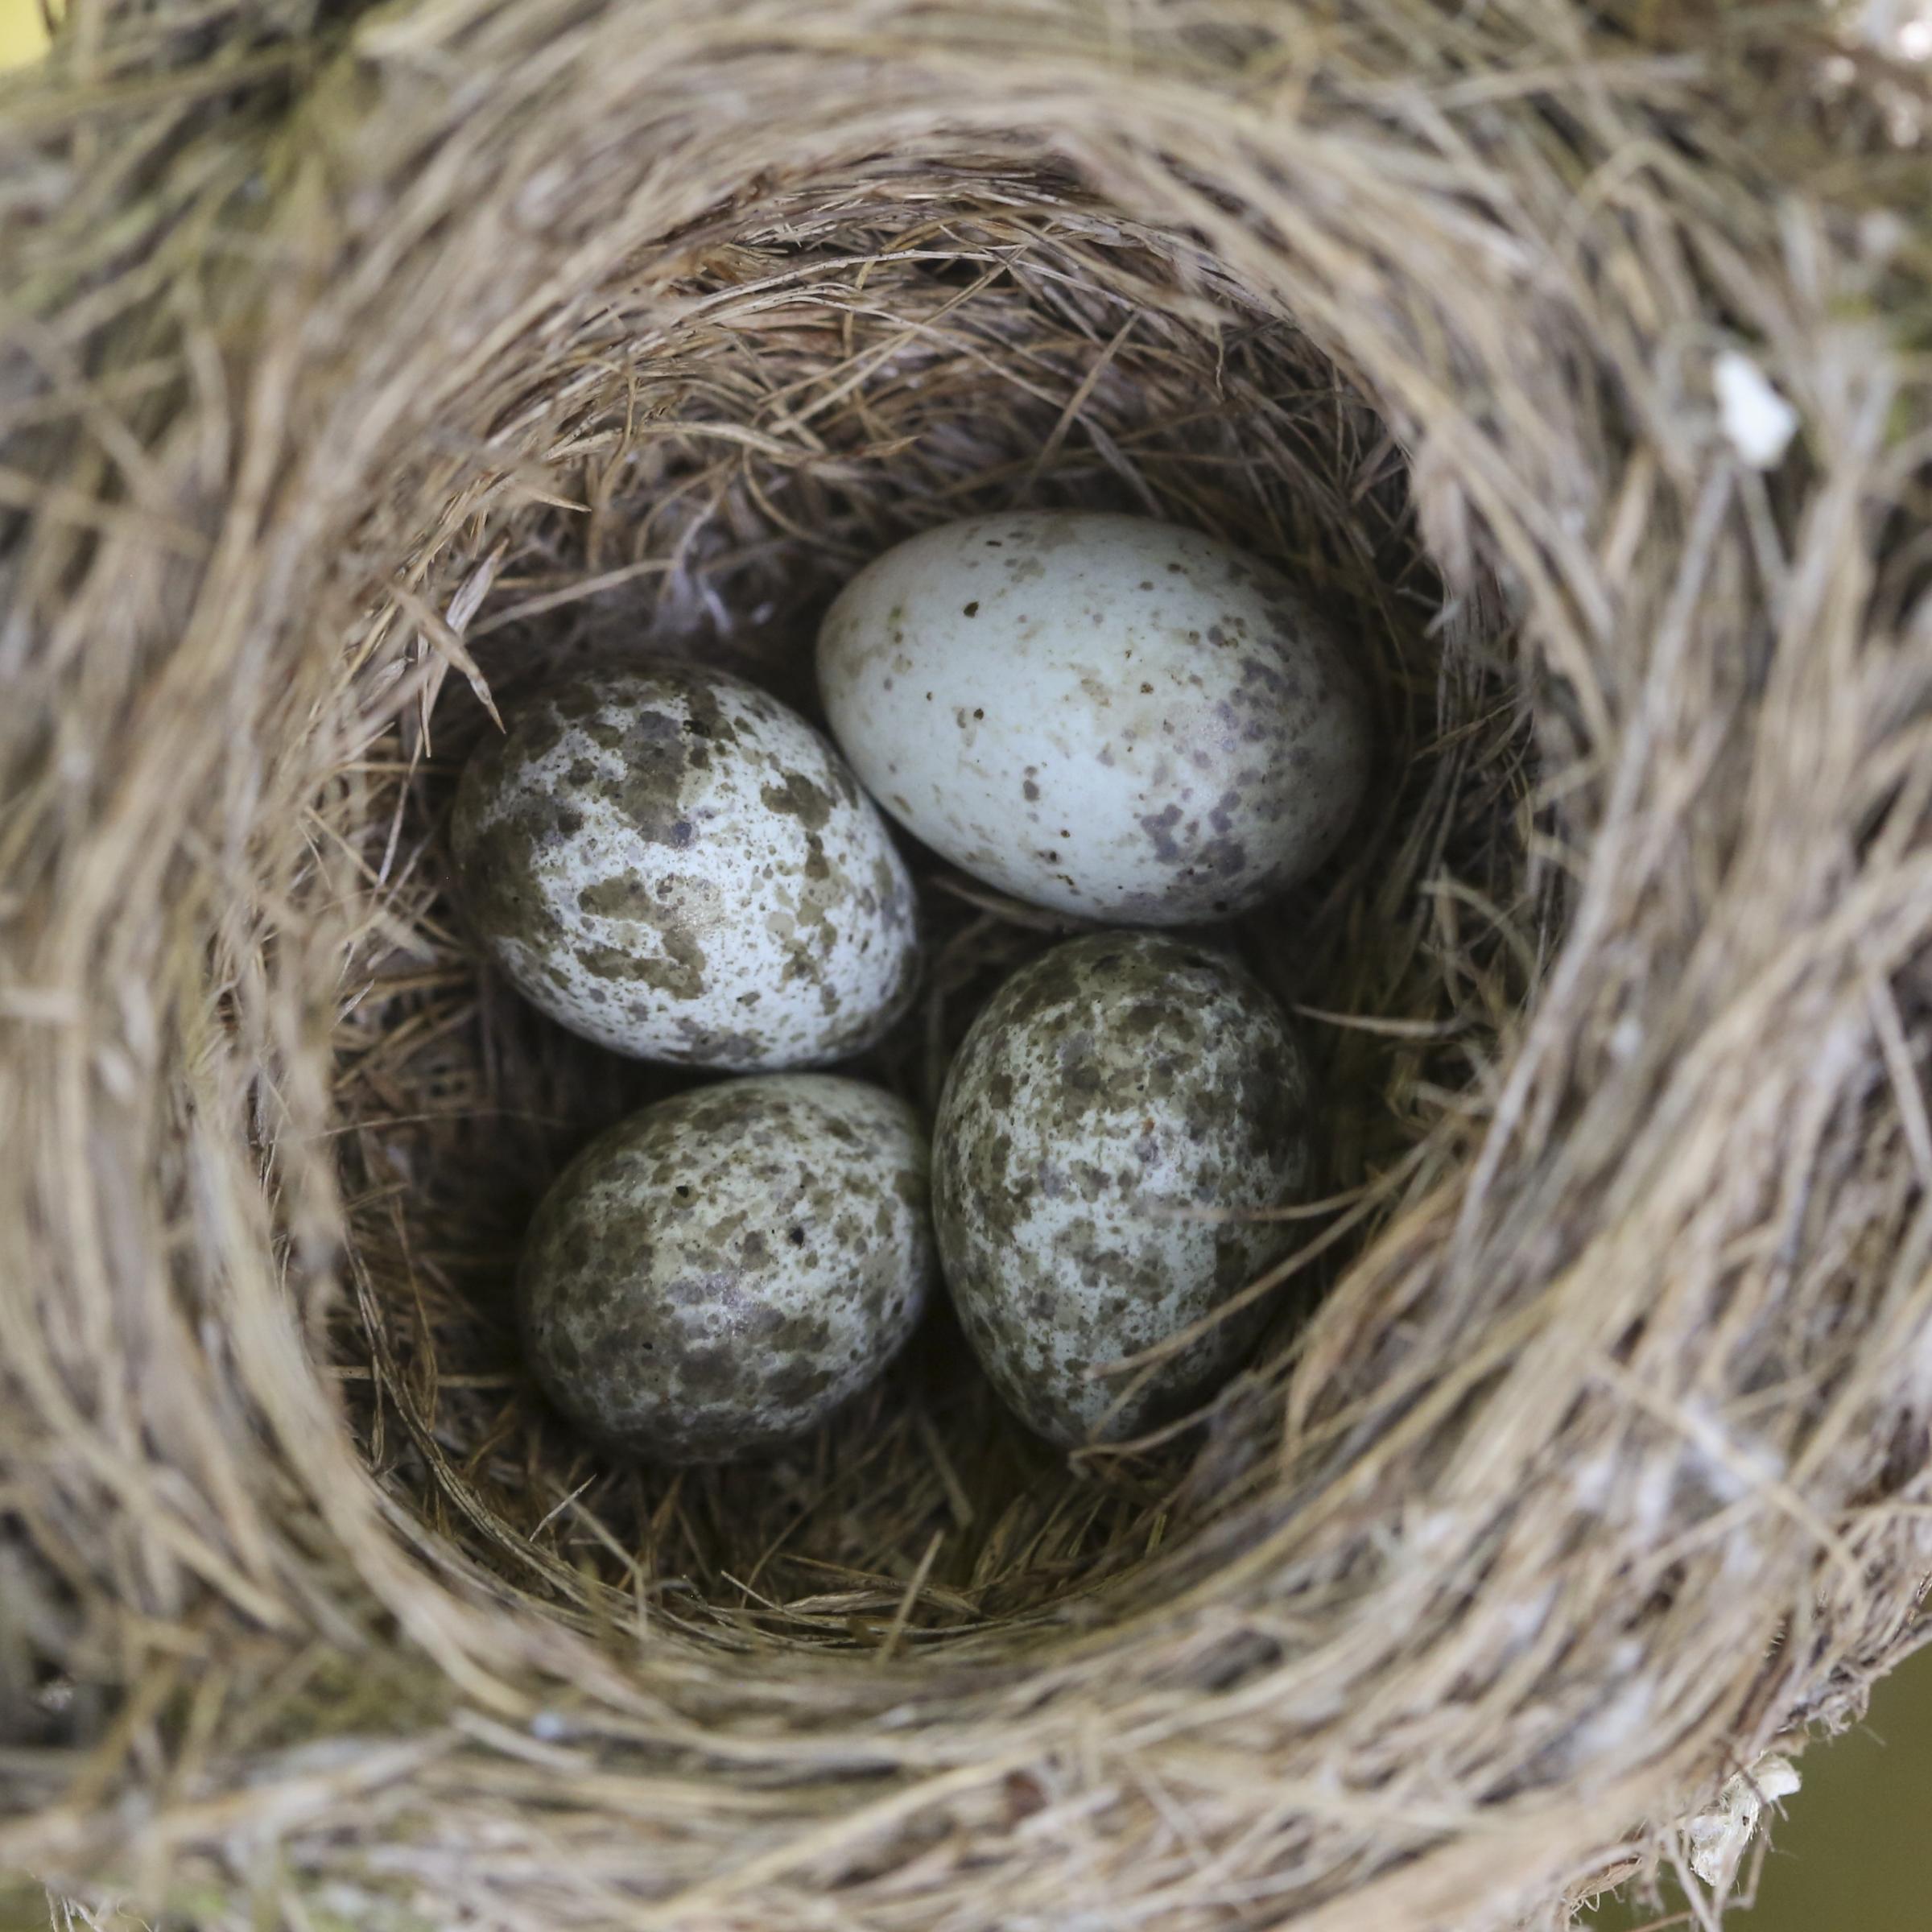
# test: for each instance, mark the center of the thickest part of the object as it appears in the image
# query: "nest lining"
(843, 379)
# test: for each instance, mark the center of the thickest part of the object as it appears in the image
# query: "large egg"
(1114, 1119)
(670, 862)
(722, 1270)
(1101, 714)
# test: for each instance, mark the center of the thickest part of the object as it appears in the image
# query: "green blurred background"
(1853, 1853)
(23, 33)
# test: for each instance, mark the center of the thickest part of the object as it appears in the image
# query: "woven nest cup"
(360, 368)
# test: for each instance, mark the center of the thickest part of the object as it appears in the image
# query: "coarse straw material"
(360, 366)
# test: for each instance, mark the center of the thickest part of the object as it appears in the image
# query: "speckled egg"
(1101, 714)
(1110, 1092)
(669, 861)
(718, 1273)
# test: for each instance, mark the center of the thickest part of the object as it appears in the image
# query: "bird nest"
(360, 368)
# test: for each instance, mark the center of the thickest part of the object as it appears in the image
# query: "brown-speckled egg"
(671, 863)
(718, 1273)
(1111, 716)
(1110, 1092)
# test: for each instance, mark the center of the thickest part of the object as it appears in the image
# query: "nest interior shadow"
(831, 383)
(354, 364)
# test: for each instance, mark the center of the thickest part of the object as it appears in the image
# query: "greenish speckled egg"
(717, 1273)
(1111, 1091)
(1103, 714)
(670, 862)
